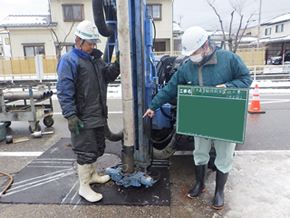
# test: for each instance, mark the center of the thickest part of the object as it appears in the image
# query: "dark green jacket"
(224, 67)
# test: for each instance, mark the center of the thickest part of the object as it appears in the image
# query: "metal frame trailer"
(26, 100)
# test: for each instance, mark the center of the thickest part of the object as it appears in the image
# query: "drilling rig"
(129, 29)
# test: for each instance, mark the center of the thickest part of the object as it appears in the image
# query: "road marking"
(72, 190)
(267, 151)
(186, 153)
(20, 154)
(115, 112)
(110, 112)
(271, 101)
(39, 181)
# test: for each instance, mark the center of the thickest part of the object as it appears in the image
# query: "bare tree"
(233, 39)
(59, 45)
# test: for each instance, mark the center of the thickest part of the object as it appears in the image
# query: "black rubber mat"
(52, 179)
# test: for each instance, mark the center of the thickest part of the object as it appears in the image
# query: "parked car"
(278, 58)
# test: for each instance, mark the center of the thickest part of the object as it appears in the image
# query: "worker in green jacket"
(207, 65)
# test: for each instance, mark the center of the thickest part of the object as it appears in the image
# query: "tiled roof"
(27, 21)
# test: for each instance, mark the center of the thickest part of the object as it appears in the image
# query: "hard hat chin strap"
(203, 51)
(82, 42)
(207, 54)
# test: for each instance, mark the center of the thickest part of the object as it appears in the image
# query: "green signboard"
(211, 112)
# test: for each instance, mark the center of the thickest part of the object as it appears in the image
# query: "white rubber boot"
(84, 172)
(95, 177)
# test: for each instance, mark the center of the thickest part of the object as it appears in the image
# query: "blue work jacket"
(82, 86)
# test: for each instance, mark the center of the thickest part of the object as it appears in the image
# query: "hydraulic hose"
(99, 18)
(9, 184)
(169, 150)
(106, 29)
(114, 137)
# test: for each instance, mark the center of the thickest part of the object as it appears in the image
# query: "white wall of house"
(164, 31)
(21, 36)
(164, 26)
(252, 31)
(63, 28)
(274, 34)
(276, 41)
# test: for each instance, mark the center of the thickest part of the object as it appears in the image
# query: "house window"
(7, 41)
(279, 28)
(154, 10)
(160, 46)
(32, 50)
(73, 12)
(267, 31)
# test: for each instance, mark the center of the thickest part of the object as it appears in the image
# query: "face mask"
(196, 58)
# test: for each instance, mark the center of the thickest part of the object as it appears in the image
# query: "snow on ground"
(271, 87)
(258, 185)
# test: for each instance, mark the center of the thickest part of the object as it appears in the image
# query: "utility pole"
(172, 36)
(258, 41)
(180, 18)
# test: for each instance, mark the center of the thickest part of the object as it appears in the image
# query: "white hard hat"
(192, 39)
(87, 31)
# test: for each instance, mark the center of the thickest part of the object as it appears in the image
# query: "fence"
(35, 68)
(28, 67)
(251, 56)
(271, 72)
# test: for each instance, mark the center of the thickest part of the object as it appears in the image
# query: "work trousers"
(224, 153)
(88, 145)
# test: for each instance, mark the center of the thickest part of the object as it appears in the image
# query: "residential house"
(29, 35)
(162, 14)
(177, 36)
(41, 34)
(274, 34)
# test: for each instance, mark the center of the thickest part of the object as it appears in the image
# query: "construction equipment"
(39, 134)
(141, 78)
(10, 139)
(26, 100)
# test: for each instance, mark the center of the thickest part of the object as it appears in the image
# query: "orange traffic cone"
(255, 105)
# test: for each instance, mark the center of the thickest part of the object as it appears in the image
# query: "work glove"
(74, 123)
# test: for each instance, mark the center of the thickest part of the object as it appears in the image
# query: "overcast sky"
(198, 12)
(16, 7)
(186, 12)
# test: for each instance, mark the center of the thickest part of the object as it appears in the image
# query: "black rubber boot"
(200, 173)
(221, 179)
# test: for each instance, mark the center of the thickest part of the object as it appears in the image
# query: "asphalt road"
(269, 131)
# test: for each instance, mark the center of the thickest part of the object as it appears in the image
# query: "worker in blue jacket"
(81, 90)
(207, 66)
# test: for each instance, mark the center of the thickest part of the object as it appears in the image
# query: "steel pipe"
(12, 96)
